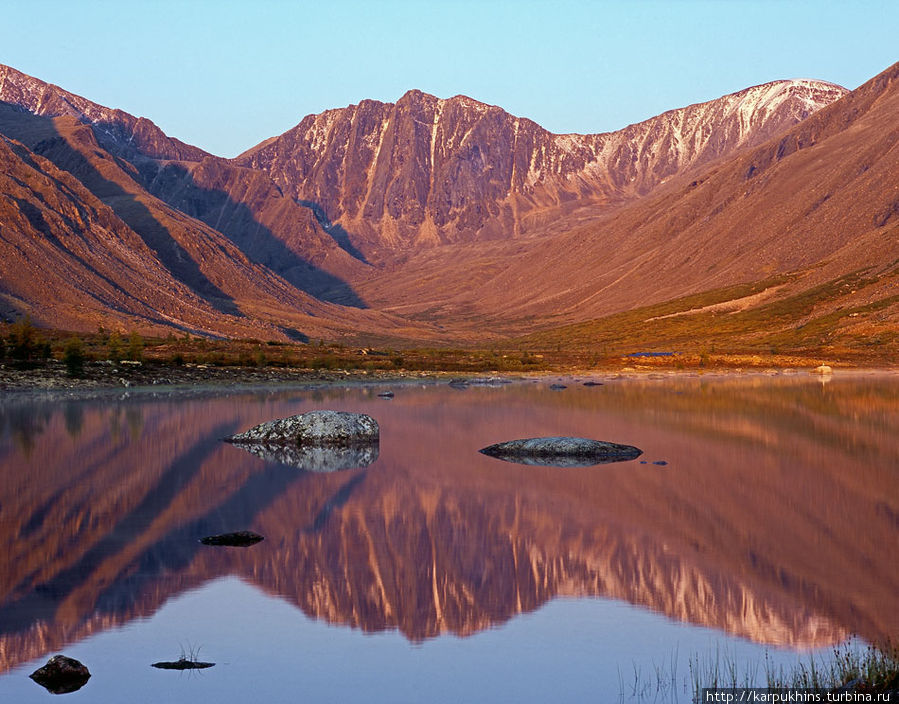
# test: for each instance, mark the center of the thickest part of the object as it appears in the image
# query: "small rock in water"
(183, 664)
(561, 452)
(239, 539)
(557, 387)
(489, 381)
(661, 463)
(61, 675)
(823, 369)
(479, 381)
(386, 394)
(592, 383)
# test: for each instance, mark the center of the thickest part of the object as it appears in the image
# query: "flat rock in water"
(239, 539)
(561, 452)
(316, 458)
(479, 381)
(61, 675)
(183, 664)
(592, 383)
(329, 428)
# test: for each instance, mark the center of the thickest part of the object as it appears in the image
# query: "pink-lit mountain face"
(426, 171)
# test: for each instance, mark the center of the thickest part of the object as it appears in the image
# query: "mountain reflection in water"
(776, 518)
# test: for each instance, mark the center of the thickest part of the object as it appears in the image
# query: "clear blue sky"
(224, 75)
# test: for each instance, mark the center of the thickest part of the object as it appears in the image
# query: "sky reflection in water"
(771, 524)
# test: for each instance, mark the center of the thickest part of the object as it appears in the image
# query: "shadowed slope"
(63, 244)
(269, 228)
(246, 207)
(220, 277)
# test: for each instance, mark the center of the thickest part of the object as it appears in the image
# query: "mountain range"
(447, 220)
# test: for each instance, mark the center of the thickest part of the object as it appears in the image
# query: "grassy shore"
(32, 357)
(848, 668)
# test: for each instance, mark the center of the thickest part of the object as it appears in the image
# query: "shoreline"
(103, 377)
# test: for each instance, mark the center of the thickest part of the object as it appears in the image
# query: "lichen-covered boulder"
(318, 428)
(561, 451)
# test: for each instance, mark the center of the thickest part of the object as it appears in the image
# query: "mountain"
(116, 130)
(207, 279)
(449, 220)
(808, 217)
(62, 239)
(426, 171)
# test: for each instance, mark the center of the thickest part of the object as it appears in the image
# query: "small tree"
(23, 340)
(73, 356)
(114, 347)
(135, 347)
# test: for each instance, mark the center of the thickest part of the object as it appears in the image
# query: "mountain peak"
(115, 129)
(428, 170)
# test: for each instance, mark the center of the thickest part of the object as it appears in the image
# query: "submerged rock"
(561, 452)
(61, 675)
(386, 394)
(489, 381)
(479, 381)
(316, 458)
(239, 539)
(334, 428)
(557, 387)
(592, 383)
(183, 664)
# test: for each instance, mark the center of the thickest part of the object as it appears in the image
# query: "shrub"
(114, 347)
(135, 347)
(23, 340)
(73, 357)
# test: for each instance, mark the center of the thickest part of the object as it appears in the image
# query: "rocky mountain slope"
(86, 245)
(431, 171)
(247, 208)
(814, 204)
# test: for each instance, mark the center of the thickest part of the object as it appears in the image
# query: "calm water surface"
(437, 574)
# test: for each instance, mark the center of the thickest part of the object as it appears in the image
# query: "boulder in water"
(61, 675)
(561, 451)
(334, 428)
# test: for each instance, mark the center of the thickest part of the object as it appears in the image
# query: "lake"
(760, 525)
